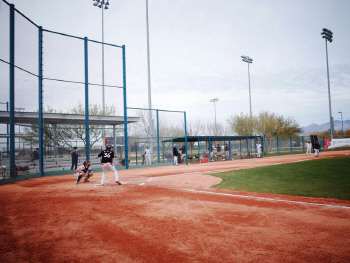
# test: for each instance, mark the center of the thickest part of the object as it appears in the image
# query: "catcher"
(83, 170)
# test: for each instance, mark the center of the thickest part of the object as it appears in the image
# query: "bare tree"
(67, 134)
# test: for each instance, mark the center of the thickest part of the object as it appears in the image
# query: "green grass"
(329, 178)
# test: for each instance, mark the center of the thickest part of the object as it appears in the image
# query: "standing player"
(183, 152)
(83, 170)
(107, 163)
(317, 148)
(175, 154)
(218, 149)
(308, 147)
(258, 149)
(148, 155)
(227, 152)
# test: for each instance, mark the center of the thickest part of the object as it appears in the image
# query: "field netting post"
(41, 119)
(12, 90)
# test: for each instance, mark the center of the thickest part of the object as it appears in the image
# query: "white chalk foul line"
(261, 198)
(139, 182)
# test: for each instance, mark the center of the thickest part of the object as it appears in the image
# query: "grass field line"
(259, 198)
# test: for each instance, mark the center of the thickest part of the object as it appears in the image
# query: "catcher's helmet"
(109, 147)
(86, 162)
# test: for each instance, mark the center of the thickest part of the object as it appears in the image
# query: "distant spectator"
(148, 155)
(75, 155)
(183, 152)
(35, 156)
(211, 149)
(218, 149)
(227, 152)
(175, 154)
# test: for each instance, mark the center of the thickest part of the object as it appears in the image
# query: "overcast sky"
(195, 48)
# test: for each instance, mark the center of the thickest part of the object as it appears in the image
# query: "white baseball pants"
(105, 167)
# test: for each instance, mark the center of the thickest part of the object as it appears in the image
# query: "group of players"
(107, 155)
(85, 170)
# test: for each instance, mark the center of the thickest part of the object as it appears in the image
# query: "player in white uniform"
(107, 163)
(308, 147)
(258, 149)
(148, 155)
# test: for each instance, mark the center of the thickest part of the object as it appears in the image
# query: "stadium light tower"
(342, 127)
(328, 36)
(248, 60)
(102, 4)
(214, 100)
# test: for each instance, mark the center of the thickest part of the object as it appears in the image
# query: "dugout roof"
(212, 138)
(64, 119)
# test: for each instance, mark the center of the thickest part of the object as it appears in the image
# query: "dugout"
(197, 147)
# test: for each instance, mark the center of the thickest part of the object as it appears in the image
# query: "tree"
(241, 125)
(95, 134)
(264, 124)
(67, 134)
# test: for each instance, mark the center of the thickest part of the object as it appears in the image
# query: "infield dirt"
(169, 214)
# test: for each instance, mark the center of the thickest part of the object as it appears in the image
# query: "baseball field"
(169, 214)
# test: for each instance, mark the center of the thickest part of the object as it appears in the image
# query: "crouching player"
(83, 170)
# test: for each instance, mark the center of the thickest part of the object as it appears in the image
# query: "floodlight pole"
(328, 35)
(150, 122)
(103, 5)
(342, 127)
(214, 100)
(248, 60)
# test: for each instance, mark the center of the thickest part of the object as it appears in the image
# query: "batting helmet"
(109, 147)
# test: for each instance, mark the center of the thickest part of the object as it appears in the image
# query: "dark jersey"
(107, 156)
(183, 150)
(175, 152)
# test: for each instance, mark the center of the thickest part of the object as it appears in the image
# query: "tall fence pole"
(41, 117)
(158, 136)
(125, 113)
(87, 124)
(12, 90)
(186, 138)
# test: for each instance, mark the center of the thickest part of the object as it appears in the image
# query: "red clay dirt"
(169, 214)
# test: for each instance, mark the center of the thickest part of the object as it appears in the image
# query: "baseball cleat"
(118, 182)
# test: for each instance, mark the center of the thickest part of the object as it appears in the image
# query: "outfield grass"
(328, 178)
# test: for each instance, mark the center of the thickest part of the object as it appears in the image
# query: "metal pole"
(103, 64)
(329, 96)
(158, 137)
(12, 90)
(125, 114)
(186, 137)
(103, 73)
(87, 124)
(41, 102)
(150, 131)
(215, 114)
(342, 127)
(250, 100)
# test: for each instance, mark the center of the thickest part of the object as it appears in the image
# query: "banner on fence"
(338, 143)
